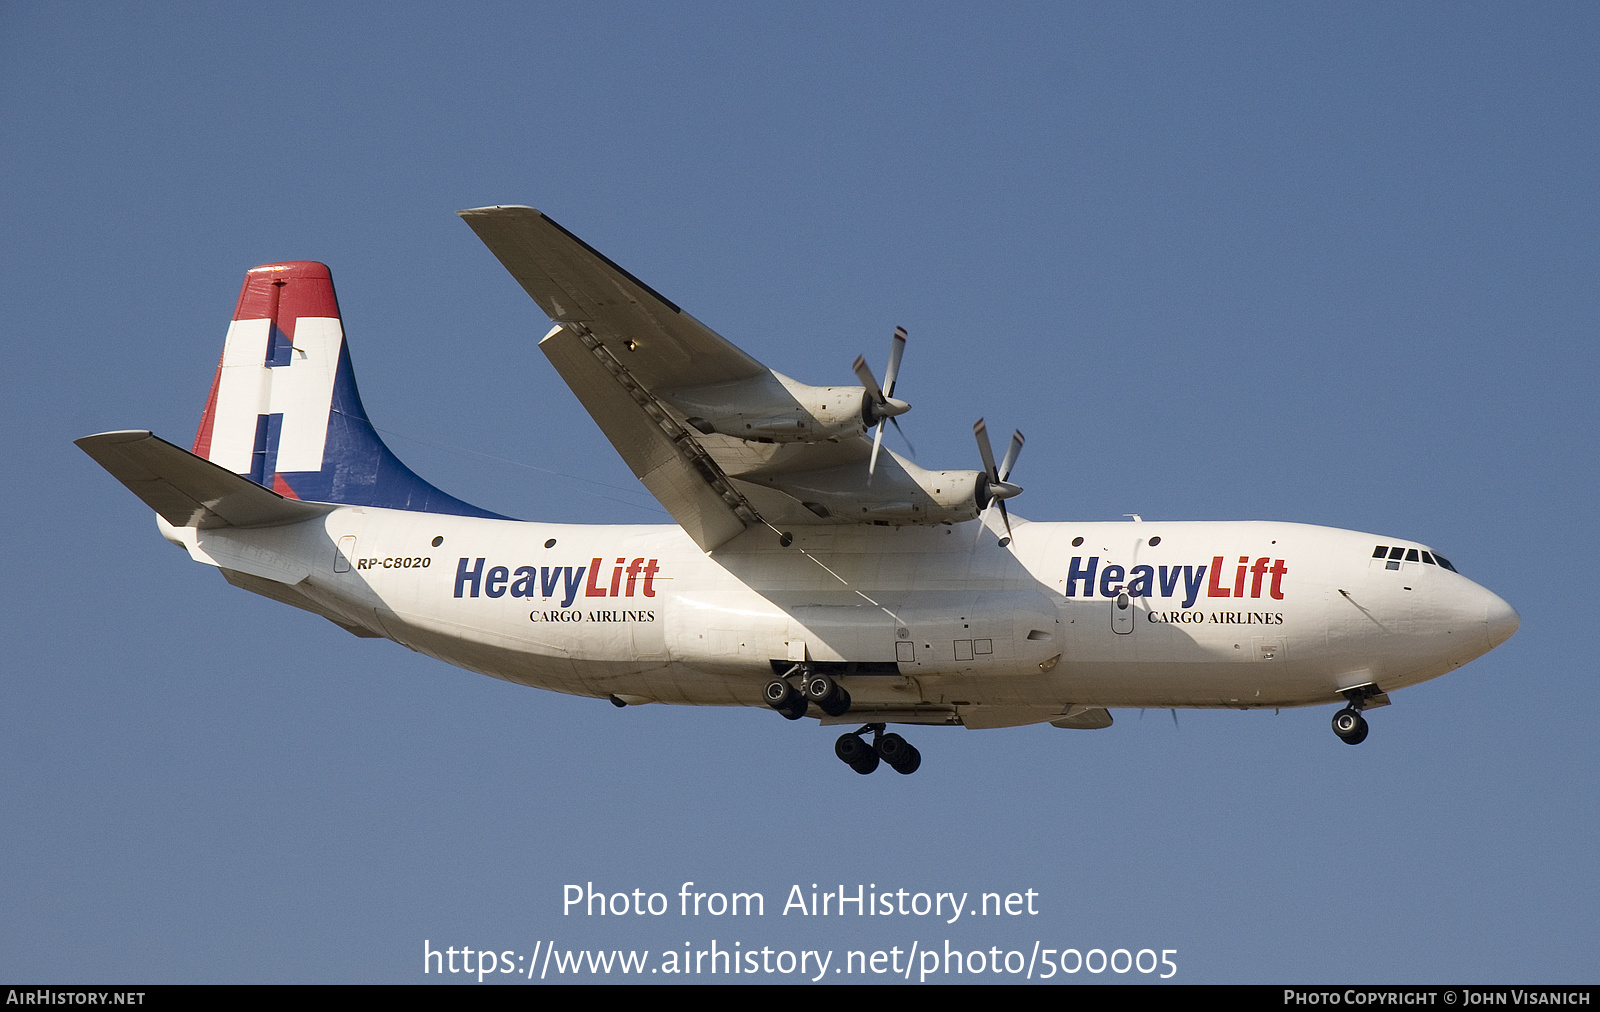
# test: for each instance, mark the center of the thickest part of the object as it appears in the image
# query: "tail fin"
(284, 410)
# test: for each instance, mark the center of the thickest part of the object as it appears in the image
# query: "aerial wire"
(654, 507)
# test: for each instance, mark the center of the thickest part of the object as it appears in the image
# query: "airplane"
(811, 570)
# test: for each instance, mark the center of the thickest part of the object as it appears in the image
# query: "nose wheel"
(1350, 726)
(889, 748)
(1348, 723)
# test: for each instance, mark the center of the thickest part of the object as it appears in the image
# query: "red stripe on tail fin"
(202, 438)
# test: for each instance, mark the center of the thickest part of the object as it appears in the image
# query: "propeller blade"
(981, 431)
(880, 405)
(1012, 452)
(992, 485)
(903, 435)
(897, 350)
(864, 374)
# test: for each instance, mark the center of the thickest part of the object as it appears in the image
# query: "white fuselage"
(939, 618)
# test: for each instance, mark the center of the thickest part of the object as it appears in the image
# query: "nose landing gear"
(1348, 723)
(1350, 726)
(854, 751)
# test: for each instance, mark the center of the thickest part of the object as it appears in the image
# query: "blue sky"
(1304, 262)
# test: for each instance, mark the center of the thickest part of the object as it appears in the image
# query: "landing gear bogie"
(900, 754)
(890, 749)
(855, 753)
(785, 698)
(830, 697)
(790, 700)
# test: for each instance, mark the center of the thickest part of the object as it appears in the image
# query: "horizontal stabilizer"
(189, 491)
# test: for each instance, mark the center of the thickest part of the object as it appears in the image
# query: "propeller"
(881, 403)
(993, 487)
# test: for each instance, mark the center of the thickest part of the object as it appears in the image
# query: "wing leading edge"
(573, 283)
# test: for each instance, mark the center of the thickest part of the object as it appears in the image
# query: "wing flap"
(189, 491)
(675, 470)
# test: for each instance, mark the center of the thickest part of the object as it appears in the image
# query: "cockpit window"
(1395, 554)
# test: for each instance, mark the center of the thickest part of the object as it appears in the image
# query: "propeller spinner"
(993, 487)
(881, 403)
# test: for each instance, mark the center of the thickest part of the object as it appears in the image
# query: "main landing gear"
(854, 751)
(830, 697)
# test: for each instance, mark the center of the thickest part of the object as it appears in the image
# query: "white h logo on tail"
(301, 391)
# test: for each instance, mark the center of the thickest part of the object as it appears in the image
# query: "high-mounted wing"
(720, 439)
(574, 283)
(606, 315)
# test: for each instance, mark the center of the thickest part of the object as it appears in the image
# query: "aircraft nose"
(1503, 620)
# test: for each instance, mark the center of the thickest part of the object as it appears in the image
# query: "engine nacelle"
(900, 493)
(773, 408)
